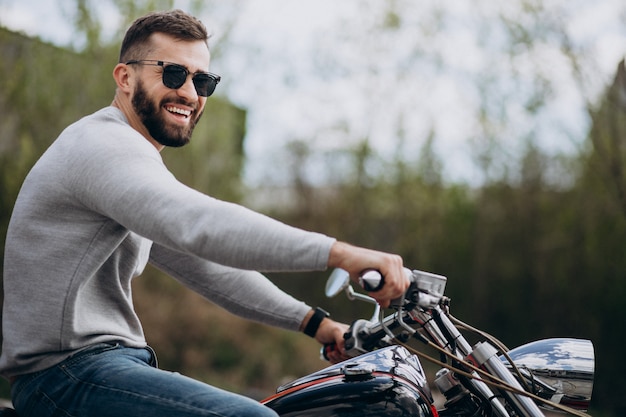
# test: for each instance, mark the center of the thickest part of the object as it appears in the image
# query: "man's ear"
(121, 75)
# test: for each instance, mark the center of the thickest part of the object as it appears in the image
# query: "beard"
(164, 133)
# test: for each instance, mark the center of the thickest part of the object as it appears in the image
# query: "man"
(100, 204)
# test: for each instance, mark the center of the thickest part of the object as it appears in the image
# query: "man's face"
(170, 115)
(156, 115)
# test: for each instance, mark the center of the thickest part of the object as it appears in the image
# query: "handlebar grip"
(371, 280)
(328, 348)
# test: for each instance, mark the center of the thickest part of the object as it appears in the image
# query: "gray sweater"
(99, 205)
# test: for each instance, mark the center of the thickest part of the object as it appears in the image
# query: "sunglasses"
(175, 75)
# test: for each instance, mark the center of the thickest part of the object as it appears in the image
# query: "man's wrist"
(337, 254)
(315, 319)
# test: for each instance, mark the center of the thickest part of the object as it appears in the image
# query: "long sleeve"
(245, 293)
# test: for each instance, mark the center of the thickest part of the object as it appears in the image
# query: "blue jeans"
(112, 381)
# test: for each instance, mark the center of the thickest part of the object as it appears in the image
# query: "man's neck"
(133, 119)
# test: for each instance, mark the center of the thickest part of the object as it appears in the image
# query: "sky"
(323, 73)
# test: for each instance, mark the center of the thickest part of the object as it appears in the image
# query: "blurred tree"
(602, 231)
(607, 161)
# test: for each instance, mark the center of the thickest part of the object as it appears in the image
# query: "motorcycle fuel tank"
(386, 382)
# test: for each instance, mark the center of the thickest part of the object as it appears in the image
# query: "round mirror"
(337, 282)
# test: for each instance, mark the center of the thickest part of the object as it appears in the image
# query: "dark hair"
(175, 23)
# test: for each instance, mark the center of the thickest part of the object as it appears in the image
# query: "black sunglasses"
(175, 75)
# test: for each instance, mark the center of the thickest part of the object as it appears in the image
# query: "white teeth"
(179, 111)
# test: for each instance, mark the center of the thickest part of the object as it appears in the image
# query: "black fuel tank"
(386, 382)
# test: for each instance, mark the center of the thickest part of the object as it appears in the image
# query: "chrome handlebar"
(419, 314)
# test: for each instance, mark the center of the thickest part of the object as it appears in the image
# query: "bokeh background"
(482, 141)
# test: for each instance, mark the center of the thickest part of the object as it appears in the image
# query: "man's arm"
(247, 294)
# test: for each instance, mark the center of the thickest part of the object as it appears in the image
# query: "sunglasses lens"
(174, 76)
(205, 84)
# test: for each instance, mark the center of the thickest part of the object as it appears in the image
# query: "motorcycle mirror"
(338, 281)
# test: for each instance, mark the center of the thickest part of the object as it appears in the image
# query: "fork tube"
(464, 349)
(485, 356)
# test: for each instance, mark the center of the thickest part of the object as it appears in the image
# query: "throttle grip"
(326, 349)
(371, 280)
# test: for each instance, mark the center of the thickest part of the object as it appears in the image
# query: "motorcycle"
(385, 376)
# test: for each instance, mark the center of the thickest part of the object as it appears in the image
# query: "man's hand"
(355, 260)
(329, 332)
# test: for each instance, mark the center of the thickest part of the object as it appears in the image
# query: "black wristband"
(314, 321)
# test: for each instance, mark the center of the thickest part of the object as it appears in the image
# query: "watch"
(314, 321)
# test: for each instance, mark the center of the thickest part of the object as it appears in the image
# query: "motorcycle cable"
(491, 380)
(501, 346)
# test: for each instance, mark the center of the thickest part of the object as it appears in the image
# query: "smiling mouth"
(178, 111)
